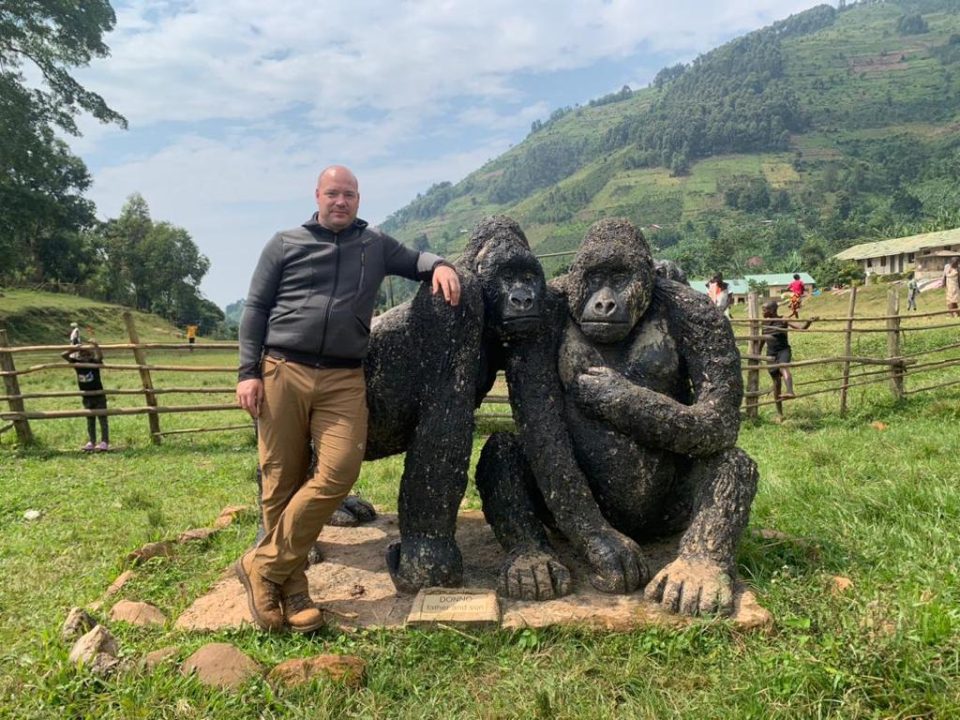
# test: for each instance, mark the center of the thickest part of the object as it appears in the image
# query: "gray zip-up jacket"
(314, 291)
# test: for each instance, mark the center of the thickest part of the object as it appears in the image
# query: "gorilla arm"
(710, 363)
(537, 398)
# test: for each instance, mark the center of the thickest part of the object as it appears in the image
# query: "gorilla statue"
(431, 365)
(650, 388)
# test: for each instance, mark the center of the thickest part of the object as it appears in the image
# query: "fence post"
(148, 393)
(753, 365)
(893, 343)
(848, 349)
(12, 385)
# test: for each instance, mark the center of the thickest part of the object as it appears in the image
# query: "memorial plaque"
(460, 606)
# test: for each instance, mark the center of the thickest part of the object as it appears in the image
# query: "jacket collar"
(317, 229)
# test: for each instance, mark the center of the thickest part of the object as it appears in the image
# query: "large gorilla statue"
(651, 389)
(429, 367)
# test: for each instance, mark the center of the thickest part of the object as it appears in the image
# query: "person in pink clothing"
(797, 290)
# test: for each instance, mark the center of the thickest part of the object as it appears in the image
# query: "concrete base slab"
(353, 585)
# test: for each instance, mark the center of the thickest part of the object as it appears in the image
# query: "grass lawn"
(873, 497)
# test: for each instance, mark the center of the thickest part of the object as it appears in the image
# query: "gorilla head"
(510, 276)
(610, 282)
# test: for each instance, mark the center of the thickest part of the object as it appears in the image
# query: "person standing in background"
(951, 283)
(797, 290)
(913, 290)
(88, 380)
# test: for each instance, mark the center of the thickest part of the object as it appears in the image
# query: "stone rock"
(228, 515)
(137, 613)
(151, 550)
(32, 515)
(840, 584)
(78, 623)
(348, 669)
(221, 665)
(750, 615)
(196, 534)
(122, 579)
(97, 651)
(154, 659)
(114, 588)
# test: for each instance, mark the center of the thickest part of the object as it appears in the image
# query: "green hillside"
(31, 317)
(778, 149)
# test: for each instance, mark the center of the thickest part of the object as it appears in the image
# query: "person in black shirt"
(775, 330)
(88, 380)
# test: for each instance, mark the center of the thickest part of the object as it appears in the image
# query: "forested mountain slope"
(771, 152)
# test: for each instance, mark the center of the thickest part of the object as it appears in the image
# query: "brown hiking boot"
(301, 614)
(263, 595)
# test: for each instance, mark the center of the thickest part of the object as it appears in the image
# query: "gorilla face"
(610, 282)
(512, 280)
(513, 289)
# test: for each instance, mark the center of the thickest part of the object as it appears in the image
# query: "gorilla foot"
(353, 511)
(534, 574)
(420, 562)
(616, 562)
(692, 586)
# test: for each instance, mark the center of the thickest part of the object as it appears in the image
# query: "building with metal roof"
(925, 254)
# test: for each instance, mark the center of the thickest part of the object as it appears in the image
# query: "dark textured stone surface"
(649, 388)
(429, 366)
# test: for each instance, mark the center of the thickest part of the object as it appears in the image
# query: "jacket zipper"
(333, 295)
(363, 267)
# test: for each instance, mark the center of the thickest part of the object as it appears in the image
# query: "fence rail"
(894, 368)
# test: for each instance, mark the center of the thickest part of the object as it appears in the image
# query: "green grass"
(878, 506)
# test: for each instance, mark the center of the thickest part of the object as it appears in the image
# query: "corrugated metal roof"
(909, 244)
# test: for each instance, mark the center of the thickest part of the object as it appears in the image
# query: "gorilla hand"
(616, 562)
(600, 387)
(692, 586)
(534, 575)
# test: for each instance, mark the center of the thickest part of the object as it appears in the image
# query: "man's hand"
(250, 395)
(446, 280)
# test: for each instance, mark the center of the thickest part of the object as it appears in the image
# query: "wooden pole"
(21, 425)
(753, 366)
(893, 344)
(848, 349)
(141, 359)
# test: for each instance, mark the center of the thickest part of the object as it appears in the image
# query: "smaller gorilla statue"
(651, 389)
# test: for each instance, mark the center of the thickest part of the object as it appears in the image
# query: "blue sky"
(235, 105)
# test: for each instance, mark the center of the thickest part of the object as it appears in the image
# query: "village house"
(924, 254)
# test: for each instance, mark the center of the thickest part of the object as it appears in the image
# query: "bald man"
(303, 337)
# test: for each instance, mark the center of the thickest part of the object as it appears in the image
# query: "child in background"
(779, 352)
(913, 290)
(88, 379)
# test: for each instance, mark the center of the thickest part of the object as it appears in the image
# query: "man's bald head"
(338, 198)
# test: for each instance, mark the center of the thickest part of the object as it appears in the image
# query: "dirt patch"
(353, 584)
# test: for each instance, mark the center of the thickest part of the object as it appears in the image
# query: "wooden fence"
(892, 368)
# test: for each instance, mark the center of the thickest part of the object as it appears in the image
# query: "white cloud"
(234, 105)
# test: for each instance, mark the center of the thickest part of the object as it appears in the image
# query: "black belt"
(312, 360)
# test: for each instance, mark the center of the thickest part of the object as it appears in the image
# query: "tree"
(155, 267)
(41, 181)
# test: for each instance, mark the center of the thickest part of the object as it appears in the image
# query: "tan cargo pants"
(300, 402)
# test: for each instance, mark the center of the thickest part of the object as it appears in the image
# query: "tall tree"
(41, 182)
